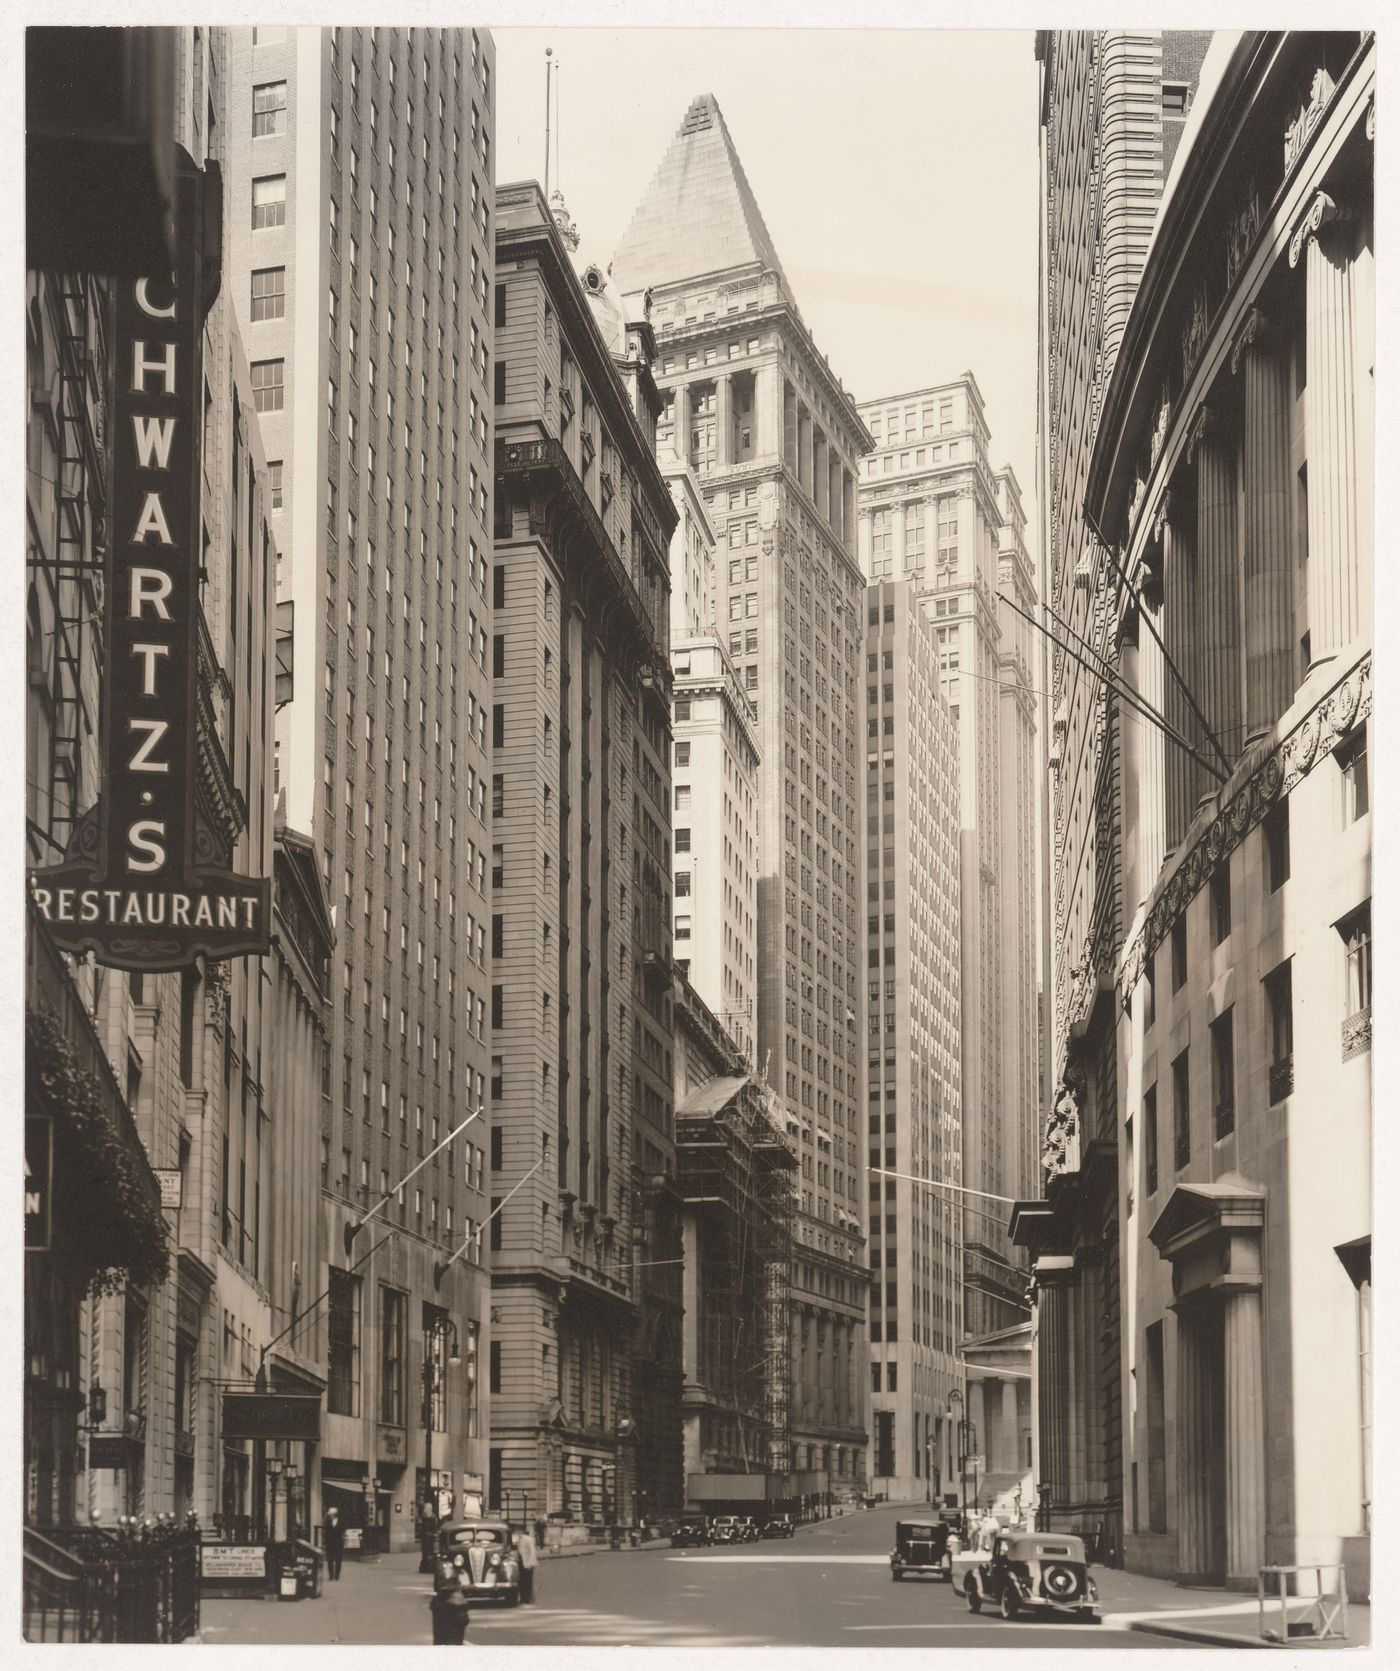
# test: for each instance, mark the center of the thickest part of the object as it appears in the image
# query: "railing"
(86, 1584)
(1280, 1079)
(1356, 1034)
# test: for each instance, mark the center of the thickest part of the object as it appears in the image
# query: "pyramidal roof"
(699, 214)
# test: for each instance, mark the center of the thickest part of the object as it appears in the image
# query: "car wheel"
(896, 1574)
(513, 1599)
(974, 1600)
(1010, 1603)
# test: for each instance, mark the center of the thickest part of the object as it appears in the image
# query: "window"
(682, 928)
(393, 1323)
(682, 754)
(269, 201)
(1149, 991)
(1156, 1430)
(1278, 995)
(1351, 760)
(1355, 931)
(682, 797)
(267, 385)
(683, 840)
(1276, 846)
(1179, 953)
(1174, 98)
(682, 884)
(343, 1336)
(269, 293)
(1149, 1139)
(1222, 1073)
(269, 108)
(1220, 904)
(1181, 1110)
(274, 484)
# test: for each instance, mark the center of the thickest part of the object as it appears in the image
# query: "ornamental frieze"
(1240, 233)
(1296, 134)
(1310, 741)
(1194, 336)
(1253, 328)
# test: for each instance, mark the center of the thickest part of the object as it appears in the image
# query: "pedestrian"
(987, 1531)
(529, 1560)
(333, 1537)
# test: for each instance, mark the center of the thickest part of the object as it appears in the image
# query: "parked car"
(920, 1546)
(690, 1534)
(727, 1528)
(777, 1526)
(1043, 1572)
(477, 1559)
(749, 1526)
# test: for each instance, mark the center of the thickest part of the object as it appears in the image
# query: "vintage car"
(476, 1560)
(692, 1533)
(920, 1546)
(777, 1526)
(731, 1528)
(1034, 1572)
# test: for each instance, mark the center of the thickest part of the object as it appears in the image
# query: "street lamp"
(957, 1434)
(437, 1324)
(274, 1470)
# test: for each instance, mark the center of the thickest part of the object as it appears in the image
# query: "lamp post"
(293, 1476)
(274, 1471)
(438, 1324)
(957, 1434)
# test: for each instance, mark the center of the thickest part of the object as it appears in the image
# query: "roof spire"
(568, 231)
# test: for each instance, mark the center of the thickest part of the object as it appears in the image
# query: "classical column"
(724, 423)
(1244, 1438)
(863, 547)
(835, 514)
(789, 420)
(1338, 569)
(680, 422)
(1267, 616)
(804, 447)
(899, 520)
(1217, 612)
(1054, 1407)
(821, 475)
(768, 411)
(1007, 1457)
(1195, 1450)
(1179, 636)
(848, 500)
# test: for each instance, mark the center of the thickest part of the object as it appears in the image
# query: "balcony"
(1356, 1034)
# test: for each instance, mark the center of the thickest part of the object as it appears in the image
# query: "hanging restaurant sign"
(146, 881)
(272, 1416)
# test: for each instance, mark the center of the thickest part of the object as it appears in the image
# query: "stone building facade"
(1230, 478)
(359, 172)
(205, 1073)
(755, 410)
(586, 1213)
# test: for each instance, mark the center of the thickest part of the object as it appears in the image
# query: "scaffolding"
(735, 1174)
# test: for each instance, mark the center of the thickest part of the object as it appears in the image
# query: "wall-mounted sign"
(232, 1560)
(393, 1446)
(108, 1450)
(146, 881)
(272, 1416)
(38, 1182)
(170, 1179)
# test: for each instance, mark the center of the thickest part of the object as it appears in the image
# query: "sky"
(895, 168)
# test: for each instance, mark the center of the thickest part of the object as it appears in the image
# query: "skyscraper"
(773, 437)
(913, 956)
(934, 513)
(716, 775)
(585, 1371)
(359, 211)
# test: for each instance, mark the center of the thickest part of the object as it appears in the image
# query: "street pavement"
(829, 1586)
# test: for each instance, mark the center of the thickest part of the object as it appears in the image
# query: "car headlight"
(459, 1560)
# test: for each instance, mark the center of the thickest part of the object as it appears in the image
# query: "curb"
(1191, 1633)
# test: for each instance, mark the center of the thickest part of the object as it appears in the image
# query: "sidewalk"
(1216, 1618)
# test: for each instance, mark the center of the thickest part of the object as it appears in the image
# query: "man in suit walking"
(333, 1537)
